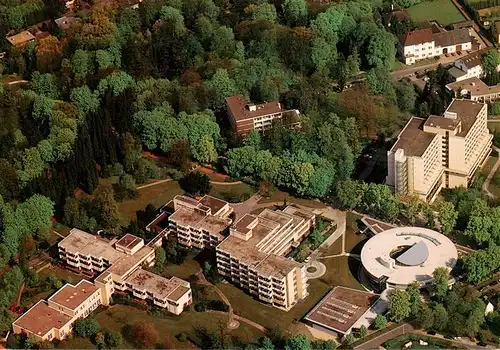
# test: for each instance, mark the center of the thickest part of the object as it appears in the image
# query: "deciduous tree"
(144, 334)
(399, 305)
(196, 183)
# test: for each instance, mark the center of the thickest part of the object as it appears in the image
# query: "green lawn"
(494, 126)
(184, 270)
(76, 343)
(443, 11)
(485, 170)
(118, 317)
(232, 193)
(341, 271)
(271, 317)
(64, 275)
(29, 301)
(279, 196)
(157, 195)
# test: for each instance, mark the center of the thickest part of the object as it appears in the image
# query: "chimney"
(252, 108)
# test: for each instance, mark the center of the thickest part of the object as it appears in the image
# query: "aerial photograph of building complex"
(205, 174)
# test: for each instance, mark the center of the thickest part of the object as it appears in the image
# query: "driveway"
(246, 207)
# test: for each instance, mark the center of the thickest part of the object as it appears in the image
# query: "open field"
(271, 317)
(119, 317)
(341, 271)
(232, 193)
(184, 270)
(156, 195)
(443, 11)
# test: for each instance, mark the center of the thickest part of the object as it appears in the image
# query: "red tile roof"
(419, 36)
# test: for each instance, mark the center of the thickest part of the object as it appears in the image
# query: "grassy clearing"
(340, 271)
(61, 228)
(279, 196)
(29, 301)
(335, 248)
(184, 270)
(352, 237)
(232, 193)
(118, 317)
(268, 316)
(64, 275)
(156, 195)
(443, 11)
(485, 170)
(52, 238)
(494, 126)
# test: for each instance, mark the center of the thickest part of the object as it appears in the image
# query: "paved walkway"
(233, 319)
(57, 233)
(487, 182)
(231, 323)
(320, 269)
(355, 256)
(246, 207)
(153, 184)
(385, 336)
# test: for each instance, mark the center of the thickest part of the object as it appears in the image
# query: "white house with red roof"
(434, 41)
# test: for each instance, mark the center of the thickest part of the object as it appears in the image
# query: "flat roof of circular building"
(407, 254)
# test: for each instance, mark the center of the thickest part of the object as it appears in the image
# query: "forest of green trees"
(123, 81)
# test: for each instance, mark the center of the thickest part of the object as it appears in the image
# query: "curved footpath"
(493, 170)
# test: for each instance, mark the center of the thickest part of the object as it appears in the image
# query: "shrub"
(113, 339)
(181, 337)
(86, 327)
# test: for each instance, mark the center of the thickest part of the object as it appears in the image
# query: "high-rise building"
(253, 255)
(199, 223)
(440, 151)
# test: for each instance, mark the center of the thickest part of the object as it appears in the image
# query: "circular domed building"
(397, 257)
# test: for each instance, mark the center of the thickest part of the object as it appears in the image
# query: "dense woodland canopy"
(155, 78)
(123, 81)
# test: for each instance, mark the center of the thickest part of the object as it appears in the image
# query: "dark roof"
(239, 108)
(41, 318)
(456, 72)
(466, 111)
(129, 241)
(474, 59)
(413, 140)
(418, 36)
(399, 15)
(436, 121)
(341, 308)
(452, 37)
(462, 24)
(213, 203)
